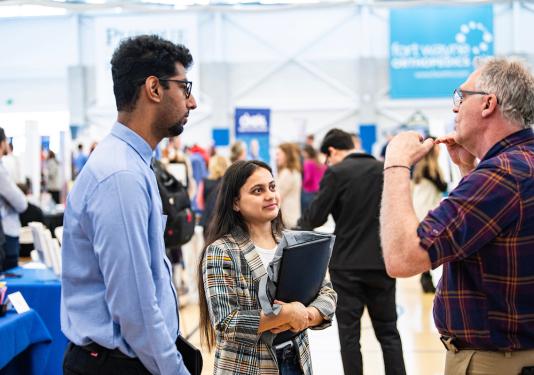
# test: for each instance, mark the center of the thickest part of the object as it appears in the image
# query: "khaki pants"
(478, 362)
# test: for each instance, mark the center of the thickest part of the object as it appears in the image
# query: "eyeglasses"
(459, 95)
(188, 85)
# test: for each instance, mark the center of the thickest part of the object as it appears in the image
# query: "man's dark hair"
(338, 139)
(139, 57)
(2, 134)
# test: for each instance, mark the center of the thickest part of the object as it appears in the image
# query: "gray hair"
(513, 84)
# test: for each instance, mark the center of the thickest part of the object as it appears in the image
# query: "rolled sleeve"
(483, 205)
(227, 316)
(326, 304)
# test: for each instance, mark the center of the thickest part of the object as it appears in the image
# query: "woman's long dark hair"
(224, 221)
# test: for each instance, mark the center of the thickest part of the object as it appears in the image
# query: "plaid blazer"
(231, 273)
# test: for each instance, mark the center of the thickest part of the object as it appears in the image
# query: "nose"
(455, 109)
(270, 195)
(191, 102)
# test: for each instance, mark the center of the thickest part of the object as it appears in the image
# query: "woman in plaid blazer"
(246, 225)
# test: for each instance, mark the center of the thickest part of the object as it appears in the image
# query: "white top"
(266, 255)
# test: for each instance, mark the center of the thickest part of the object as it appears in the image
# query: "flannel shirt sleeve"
(228, 318)
(483, 205)
(326, 304)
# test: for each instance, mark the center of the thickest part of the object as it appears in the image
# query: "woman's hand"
(280, 329)
(298, 316)
(314, 316)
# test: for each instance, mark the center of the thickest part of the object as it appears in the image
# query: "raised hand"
(407, 148)
(459, 155)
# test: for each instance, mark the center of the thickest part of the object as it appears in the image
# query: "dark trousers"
(78, 361)
(11, 249)
(288, 361)
(375, 289)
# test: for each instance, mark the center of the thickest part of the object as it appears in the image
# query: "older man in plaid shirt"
(483, 233)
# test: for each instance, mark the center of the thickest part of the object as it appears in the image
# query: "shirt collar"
(134, 140)
(514, 139)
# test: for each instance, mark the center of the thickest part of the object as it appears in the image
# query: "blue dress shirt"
(116, 285)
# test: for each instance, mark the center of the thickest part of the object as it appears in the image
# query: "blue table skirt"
(42, 290)
(24, 342)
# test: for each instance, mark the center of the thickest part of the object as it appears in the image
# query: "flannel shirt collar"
(512, 140)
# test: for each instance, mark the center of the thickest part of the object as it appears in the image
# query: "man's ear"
(152, 89)
(490, 104)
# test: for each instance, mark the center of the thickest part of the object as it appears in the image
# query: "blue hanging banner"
(45, 143)
(221, 136)
(368, 136)
(252, 126)
(432, 49)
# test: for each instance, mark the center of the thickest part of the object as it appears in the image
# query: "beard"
(176, 129)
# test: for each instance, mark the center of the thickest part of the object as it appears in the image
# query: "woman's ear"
(235, 206)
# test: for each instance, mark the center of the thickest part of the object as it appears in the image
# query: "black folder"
(302, 271)
(192, 356)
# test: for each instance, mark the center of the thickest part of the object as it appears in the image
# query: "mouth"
(271, 206)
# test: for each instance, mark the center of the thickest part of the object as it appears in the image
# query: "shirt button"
(435, 232)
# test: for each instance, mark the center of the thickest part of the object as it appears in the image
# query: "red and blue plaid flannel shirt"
(483, 234)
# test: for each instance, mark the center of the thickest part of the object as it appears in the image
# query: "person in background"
(52, 176)
(12, 164)
(118, 305)
(79, 160)
(174, 155)
(350, 191)
(289, 182)
(428, 189)
(238, 151)
(241, 242)
(312, 173)
(209, 188)
(12, 203)
(483, 232)
(310, 140)
(2, 243)
(254, 150)
(356, 140)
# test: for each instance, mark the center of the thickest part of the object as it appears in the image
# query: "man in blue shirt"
(118, 306)
(79, 161)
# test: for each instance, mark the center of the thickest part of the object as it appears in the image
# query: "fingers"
(279, 302)
(282, 328)
(427, 145)
(448, 139)
(299, 321)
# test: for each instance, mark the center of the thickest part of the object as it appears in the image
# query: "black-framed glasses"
(188, 85)
(459, 95)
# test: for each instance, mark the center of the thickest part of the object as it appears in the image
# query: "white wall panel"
(306, 64)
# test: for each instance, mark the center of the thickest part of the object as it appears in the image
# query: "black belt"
(450, 343)
(96, 350)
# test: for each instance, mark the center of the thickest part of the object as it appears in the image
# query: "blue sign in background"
(432, 49)
(252, 126)
(221, 136)
(368, 136)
